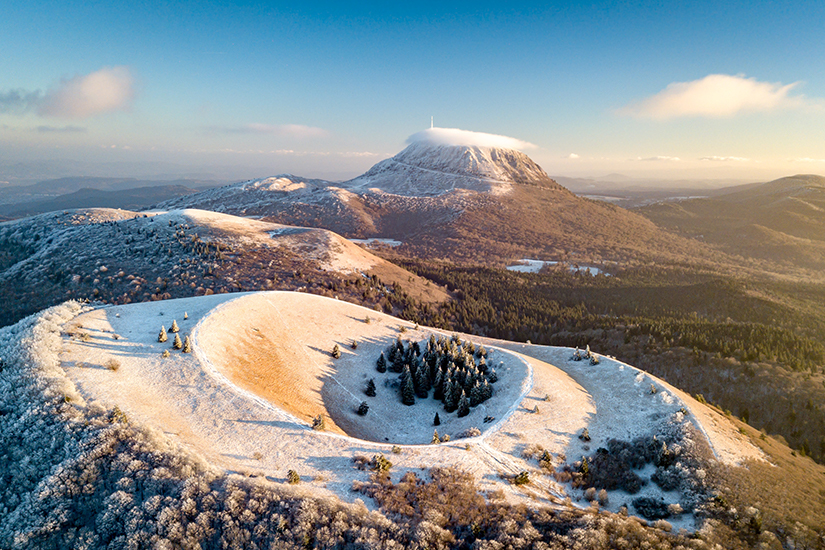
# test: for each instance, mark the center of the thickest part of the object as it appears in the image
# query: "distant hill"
(127, 199)
(781, 220)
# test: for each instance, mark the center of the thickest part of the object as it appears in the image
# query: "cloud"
(454, 136)
(716, 96)
(104, 91)
(19, 101)
(572, 156)
(61, 129)
(658, 159)
(807, 159)
(725, 159)
(284, 130)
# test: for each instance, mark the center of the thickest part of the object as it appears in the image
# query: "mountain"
(779, 221)
(470, 203)
(120, 256)
(425, 169)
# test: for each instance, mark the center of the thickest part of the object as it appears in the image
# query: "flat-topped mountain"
(425, 168)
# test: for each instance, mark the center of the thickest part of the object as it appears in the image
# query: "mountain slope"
(780, 221)
(120, 257)
(425, 169)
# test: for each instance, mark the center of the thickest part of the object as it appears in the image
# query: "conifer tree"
(382, 363)
(408, 392)
(177, 344)
(448, 395)
(174, 327)
(422, 383)
(438, 385)
(463, 405)
(436, 440)
(363, 408)
(187, 345)
(371, 388)
(336, 352)
(436, 420)
(185, 316)
(162, 336)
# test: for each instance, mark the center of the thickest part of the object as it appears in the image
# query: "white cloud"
(725, 159)
(572, 156)
(807, 159)
(454, 136)
(109, 89)
(716, 96)
(658, 159)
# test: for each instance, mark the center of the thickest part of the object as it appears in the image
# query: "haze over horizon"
(724, 91)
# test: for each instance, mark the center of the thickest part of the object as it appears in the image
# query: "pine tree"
(448, 395)
(371, 388)
(162, 336)
(436, 440)
(363, 408)
(174, 327)
(422, 382)
(177, 344)
(438, 385)
(185, 316)
(408, 391)
(382, 363)
(463, 405)
(187, 345)
(336, 352)
(436, 420)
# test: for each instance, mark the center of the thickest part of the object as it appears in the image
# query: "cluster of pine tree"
(457, 372)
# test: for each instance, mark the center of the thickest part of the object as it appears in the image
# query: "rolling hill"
(120, 256)
(781, 221)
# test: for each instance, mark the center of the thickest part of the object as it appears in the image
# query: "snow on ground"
(376, 240)
(261, 369)
(534, 266)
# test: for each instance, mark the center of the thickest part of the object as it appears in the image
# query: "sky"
(669, 90)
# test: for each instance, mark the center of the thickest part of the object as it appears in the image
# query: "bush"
(650, 508)
(363, 408)
(292, 477)
(112, 364)
(336, 352)
(318, 423)
(469, 432)
(522, 478)
(379, 463)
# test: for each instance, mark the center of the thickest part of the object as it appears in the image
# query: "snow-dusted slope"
(426, 169)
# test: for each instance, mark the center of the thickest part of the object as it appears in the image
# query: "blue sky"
(664, 89)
